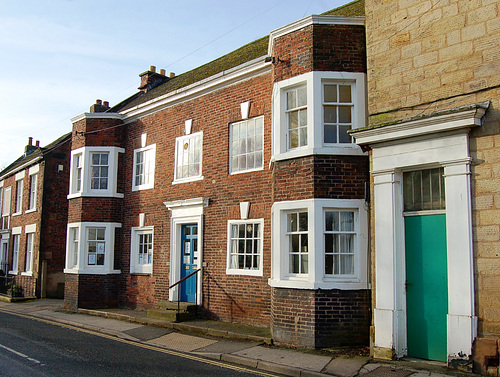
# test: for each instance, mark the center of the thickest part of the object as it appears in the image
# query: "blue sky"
(59, 56)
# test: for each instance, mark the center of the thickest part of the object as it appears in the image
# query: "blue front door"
(189, 263)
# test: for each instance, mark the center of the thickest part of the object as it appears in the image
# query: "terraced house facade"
(241, 172)
(34, 210)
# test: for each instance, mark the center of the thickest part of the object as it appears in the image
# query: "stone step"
(171, 315)
(173, 305)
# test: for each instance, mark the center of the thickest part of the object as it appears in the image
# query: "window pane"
(344, 136)
(293, 119)
(291, 99)
(424, 190)
(330, 134)
(345, 114)
(294, 264)
(345, 93)
(329, 264)
(294, 243)
(303, 118)
(301, 96)
(328, 243)
(347, 221)
(304, 258)
(330, 91)
(303, 221)
(303, 136)
(104, 159)
(330, 114)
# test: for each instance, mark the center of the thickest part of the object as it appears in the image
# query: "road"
(32, 347)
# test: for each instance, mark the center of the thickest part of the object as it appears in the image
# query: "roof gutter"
(21, 167)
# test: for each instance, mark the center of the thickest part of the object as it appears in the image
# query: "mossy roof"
(38, 152)
(237, 57)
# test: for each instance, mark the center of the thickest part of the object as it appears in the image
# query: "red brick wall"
(322, 318)
(226, 297)
(55, 216)
(320, 48)
(90, 291)
(321, 176)
(339, 48)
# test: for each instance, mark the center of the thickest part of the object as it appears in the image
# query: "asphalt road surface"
(30, 347)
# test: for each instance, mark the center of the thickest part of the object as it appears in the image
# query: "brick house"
(434, 126)
(34, 208)
(242, 169)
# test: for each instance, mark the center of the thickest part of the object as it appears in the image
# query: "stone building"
(34, 212)
(241, 172)
(433, 72)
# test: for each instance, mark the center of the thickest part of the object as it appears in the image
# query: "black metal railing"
(180, 282)
(9, 286)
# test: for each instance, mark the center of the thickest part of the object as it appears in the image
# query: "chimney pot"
(30, 141)
(37, 143)
(162, 72)
(106, 103)
(98, 102)
(171, 74)
(152, 68)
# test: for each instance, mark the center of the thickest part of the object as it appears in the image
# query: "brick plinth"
(320, 318)
(90, 291)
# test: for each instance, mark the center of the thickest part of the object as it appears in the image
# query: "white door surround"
(440, 140)
(188, 211)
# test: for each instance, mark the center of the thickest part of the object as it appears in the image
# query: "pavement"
(237, 344)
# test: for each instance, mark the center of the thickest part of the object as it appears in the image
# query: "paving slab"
(99, 322)
(389, 372)
(147, 332)
(346, 366)
(286, 357)
(227, 346)
(181, 342)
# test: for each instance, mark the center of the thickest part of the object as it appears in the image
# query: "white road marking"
(19, 354)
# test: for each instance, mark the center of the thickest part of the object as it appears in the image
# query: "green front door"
(426, 286)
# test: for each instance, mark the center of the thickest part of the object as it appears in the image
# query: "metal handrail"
(179, 295)
(185, 278)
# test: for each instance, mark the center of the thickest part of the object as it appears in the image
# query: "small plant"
(14, 290)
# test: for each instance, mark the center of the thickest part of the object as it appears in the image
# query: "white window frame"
(73, 247)
(338, 104)
(19, 194)
(33, 174)
(135, 266)
(314, 82)
(6, 207)
(249, 272)
(316, 278)
(81, 266)
(180, 142)
(231, 135)
(84, 156)
(149, 153)
(30, 250)
(342, 232)
(16, 234)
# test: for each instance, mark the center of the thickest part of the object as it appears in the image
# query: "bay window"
(313, 112)
(94, 172)
(320, 243)
(90, 248)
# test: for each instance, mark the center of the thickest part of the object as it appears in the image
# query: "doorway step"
(174, 311)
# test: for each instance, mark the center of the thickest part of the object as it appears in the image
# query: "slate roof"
(242, 55)
(38, 152)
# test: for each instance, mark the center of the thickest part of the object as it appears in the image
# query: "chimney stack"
(30, 147)
(99, 107)
(151, 79)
